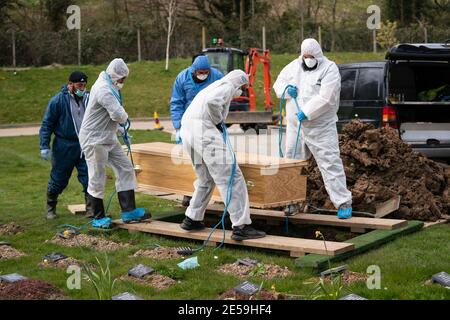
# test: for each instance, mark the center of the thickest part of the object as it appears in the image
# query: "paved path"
(265, 143)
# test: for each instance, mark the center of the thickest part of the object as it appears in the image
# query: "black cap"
(78, 76)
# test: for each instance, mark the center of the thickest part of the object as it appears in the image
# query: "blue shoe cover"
(103, 223)
(137, 215)
(344, 213)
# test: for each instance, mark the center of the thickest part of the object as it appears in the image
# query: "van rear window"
(368, 84)
(348, 80)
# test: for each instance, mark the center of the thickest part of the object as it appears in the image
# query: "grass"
(24, 95)
(405, 263)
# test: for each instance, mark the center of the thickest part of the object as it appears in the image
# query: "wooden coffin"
(271, 182)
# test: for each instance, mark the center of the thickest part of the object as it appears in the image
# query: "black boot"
(89, 208)
(190, 225)
(97, 208)
(127, 203)
(52, 200)
(127, 200)
(246, 232)
(186, 201)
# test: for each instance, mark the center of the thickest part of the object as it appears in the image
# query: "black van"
(410, 92)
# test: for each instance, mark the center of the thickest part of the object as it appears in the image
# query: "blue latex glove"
(45, 154)
(178, 137)
(301, 116)
(292, 91)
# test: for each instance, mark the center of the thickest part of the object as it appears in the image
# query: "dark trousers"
(66, 155)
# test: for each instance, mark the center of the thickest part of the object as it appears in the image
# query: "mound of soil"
(379, 166)
(83, 240)
(10, 229)
(7, 252)
(349, 277)
(265, 271)
(30, 290)
(156, 281)
(160, 253)
(263, 295)
(63, 264)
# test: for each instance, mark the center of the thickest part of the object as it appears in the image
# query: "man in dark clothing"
(63, 118)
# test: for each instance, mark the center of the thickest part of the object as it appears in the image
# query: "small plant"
(258, 270)
(102, 282)
(332, 290)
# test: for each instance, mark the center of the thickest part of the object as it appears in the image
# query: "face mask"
(238, 93)
(79, 93)
(119, 85)
(310, 62)
(202, 77)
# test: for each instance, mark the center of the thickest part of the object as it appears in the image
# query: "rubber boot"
(186, 201)
(89, 208)
(100, 220)
(52, 200)
(130, 213)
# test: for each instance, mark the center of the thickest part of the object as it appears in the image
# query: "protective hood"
(311, 47)
(117, 69)
(237, 78)
(201, 63)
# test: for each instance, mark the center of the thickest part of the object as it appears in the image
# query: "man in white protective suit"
(315, 82)
(202, 132)
(104, 116)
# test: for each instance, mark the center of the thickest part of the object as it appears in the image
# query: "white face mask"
(238, 93)
(118, 85)
(310, 62)
(202, 77)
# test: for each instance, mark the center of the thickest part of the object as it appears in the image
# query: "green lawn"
(24, 96)
(405, 263)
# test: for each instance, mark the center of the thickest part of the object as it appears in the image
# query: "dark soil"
(379, 166)
(30, 290)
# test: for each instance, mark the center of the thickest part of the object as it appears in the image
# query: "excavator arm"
(255, 57)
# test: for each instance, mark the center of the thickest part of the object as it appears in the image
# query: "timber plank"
(318, 219)
(77, 208)
(363, 243)
(292, 245)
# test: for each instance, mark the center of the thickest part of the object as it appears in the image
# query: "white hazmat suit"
(211, 157)
(98, 134)
(318, 98)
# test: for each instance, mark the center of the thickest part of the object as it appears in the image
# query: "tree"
(56, 12)
(171, 9)
(386, 36)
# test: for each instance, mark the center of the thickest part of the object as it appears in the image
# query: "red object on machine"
(256, 56)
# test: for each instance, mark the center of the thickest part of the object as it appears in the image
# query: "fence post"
(320, 35)
(264, 37)
(374, 40)
(14, 48)
(79, 47)
(139, 44)
(203, 38)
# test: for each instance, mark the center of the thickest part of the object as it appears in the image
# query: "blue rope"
(280, 131)
(226, 139)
